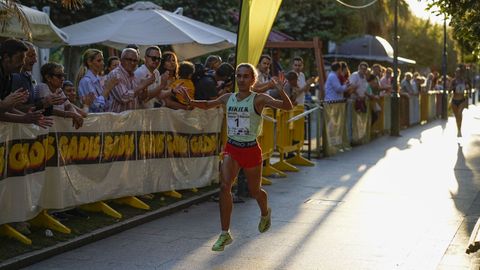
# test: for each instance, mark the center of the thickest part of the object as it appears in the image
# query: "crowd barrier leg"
(298, 138)
(133, 202)
(284, 141)
(266, 141)
(269, 170)
(283, 165)
(43, 219)
(266, 181)
(102, 208)
(8, 231)
(173, 193)
(299, 160)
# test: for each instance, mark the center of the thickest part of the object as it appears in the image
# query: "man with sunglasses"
(153, 57)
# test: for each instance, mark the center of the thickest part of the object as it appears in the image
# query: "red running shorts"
(247, 157)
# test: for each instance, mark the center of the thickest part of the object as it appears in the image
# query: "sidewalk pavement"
(405, 202)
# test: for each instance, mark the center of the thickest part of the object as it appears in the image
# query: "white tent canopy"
(144, 23)
(44, 33)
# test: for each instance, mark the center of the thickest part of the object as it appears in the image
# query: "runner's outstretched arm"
(206, 104)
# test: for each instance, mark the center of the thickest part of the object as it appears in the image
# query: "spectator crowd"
(122, 84)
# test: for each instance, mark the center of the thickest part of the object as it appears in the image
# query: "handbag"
(360, 105)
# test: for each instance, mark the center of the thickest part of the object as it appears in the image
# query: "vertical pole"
(444, 70)
(317, 48)
(395, 128)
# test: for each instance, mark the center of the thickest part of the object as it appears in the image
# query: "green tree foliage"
(329, 20)
(301, 19)
(218, 13)
(304, 19)
(464, 18)
(423, 41)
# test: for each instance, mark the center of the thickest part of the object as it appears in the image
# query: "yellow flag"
(256, 19)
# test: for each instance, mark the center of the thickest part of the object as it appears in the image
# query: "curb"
(39, 255)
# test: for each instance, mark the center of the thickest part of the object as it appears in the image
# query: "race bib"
(238, 123)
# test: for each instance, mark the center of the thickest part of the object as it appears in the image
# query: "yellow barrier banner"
(334, 133)
(361, 125)
(111, 156)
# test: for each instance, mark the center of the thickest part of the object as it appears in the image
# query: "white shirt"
(142, 73)
(264, 78)
(301, 83)
(43, 91)
(360, 82)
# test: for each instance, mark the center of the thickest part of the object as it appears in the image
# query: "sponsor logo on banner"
(151, 144)
(79, 148)
(26, 156)
(177, 144)
(202, 145)
(118, 146)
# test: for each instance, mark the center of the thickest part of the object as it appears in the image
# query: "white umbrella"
(44, 33)
(144, 23)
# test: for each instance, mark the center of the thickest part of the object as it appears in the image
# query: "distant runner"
(459, 86)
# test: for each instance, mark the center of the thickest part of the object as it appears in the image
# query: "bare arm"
(265, 100)
(30, 117)
(263, 87)
(207, 104)
(109, 85)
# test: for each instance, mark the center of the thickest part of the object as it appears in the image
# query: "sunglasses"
(59, 75)
(155, 58)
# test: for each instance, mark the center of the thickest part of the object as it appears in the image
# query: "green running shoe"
(265, 222)
(223, 240)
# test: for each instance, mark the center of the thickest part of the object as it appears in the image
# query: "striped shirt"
(122, 94)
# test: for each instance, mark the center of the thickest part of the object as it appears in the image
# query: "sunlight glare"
(419, 9)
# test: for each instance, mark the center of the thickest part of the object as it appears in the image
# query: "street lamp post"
(444, 70)
(395, 128)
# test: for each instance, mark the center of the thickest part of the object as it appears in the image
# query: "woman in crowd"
(93, 96)
(212, 63)
(112, 63)
(53, 77)
(459, 86)
(170, 65)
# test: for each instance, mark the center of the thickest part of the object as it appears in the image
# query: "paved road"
(396, 203)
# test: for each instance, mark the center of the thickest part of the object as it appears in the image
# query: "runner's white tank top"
(243, 122)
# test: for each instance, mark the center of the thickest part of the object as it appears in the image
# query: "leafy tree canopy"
(305, 19)
(464, 18)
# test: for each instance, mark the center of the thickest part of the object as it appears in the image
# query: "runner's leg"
(254, 176)
(458, 116)
(461, 107)
(228, 172)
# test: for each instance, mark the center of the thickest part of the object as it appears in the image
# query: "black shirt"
(5, 83)
(24, 80)
(206, 88)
